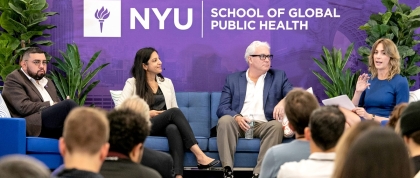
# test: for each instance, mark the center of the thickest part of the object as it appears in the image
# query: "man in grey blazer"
(29, 94)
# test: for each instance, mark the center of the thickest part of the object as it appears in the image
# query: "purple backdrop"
(199, 57)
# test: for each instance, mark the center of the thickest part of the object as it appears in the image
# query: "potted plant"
(398, 23)
(21, 23)
(340, 81)
(72, 78)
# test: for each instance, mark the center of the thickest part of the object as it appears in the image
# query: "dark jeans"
(173, 124)
(53, 118)
(159, 161)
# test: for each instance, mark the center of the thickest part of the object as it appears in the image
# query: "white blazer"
(166, 86)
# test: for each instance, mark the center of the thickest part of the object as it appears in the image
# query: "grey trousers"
(228, 132)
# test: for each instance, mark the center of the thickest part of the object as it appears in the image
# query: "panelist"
(259, 91)
(167, 119)
(377, 95)
(29, 94)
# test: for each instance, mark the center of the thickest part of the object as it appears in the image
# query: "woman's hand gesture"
(362, 82)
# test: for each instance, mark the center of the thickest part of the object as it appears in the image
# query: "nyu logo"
(101, 15)
(98, 21)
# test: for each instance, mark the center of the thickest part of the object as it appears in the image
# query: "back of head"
(396, 114)
(378, 153)
(346, 140)
(409, 122)
(138, 105)
(85, 130)
(299, 105)
(327, 125)
(22, 166)
(127, 129)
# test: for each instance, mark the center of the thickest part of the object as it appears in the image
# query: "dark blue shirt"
(383, 95)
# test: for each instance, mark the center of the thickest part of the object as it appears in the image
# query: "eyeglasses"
(263, 57)
(38, 62)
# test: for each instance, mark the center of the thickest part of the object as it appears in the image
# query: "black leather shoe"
(255, 175)
(228, 173)
(211, 164)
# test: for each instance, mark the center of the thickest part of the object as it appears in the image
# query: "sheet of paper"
(342, 100)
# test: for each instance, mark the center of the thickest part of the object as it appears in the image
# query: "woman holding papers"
(377, 94)
(167, 120)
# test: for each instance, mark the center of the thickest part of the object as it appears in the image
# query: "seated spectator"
(299, 105)
(84, 144)
(29, 94)
(346, 140)
(160, 161)
(396, 115)
(22, 166)
(410, 129)
(377, 153)
(128, 131)
(326, 125)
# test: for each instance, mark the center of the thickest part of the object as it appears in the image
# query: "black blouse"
(159, 101)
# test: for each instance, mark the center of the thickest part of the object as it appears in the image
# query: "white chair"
(115, 94)
(414, 96)
(4, 112)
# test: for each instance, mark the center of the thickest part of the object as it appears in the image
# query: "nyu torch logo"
(95, 11)
(101, 15)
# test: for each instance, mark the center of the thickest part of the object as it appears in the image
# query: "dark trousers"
(173, 124)
(53, 118)
(159, 161)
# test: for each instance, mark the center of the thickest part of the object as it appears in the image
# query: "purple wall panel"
(199, 58)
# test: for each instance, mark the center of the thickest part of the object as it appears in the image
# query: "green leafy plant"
(21, 23)
(71, 79)
(398, 23)
(340, 81)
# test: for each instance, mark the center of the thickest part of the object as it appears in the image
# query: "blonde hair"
(138, 105)
(86, 130)
(346, 141)
(391, 51)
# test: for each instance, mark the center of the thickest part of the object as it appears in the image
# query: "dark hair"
(415, 136)
(142, 87)
(396, 114)
(127, 129)
(31, 50)
(299, 105)
(327, 124)
(378, 153)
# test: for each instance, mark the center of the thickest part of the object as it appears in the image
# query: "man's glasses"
(38, 62)
(263, 57)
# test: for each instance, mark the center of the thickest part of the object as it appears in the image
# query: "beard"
(36, 75)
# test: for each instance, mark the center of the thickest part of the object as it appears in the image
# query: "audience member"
(22, 166)
(377, 153)
(410, 129)
(396, 115)
(377, 94)
(159, 161)
(326, 125)
(167, 119)
(258, 91)
(346, 140)
(128, 131)
(299, 105)
(84, 144)
(29, 94)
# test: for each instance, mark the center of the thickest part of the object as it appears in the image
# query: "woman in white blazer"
(167, 120)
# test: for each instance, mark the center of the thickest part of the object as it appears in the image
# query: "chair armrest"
(12, 136)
